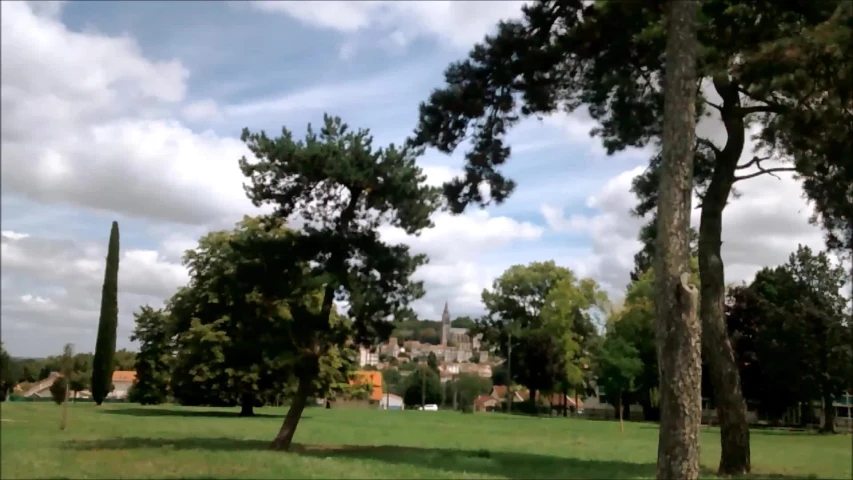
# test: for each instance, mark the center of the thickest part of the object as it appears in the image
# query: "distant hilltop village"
(457, 351)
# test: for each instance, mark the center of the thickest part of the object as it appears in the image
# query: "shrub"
(57, 390)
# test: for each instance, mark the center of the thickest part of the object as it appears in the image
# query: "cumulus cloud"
(455, 23)
(760, 228)
(54, 286)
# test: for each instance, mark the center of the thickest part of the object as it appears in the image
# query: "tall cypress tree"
(105, 347)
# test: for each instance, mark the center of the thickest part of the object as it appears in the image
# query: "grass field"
(129, 441)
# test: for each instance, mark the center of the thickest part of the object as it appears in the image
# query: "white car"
(430, 407)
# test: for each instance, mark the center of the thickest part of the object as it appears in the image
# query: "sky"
(132, 111)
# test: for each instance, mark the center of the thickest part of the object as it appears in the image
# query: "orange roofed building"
(122, 381)
(369, 377)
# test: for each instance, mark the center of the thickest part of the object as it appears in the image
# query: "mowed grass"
(130, 441)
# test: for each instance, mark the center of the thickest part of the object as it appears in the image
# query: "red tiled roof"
(124, 376)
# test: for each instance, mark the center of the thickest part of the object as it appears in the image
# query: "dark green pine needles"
(105, 347)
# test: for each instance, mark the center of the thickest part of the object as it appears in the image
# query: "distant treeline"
(427, 331)
(34, 369)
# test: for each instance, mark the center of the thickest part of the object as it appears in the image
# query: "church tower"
(445, 325)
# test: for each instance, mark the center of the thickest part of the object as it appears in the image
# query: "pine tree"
(105, 347)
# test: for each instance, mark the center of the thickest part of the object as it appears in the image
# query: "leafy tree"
(10, 373)
(432, 362)
(153, 362)
(463, 322)
(77, 383)
(820, 307)
(467, 387)
(618, 365)
(555, 59)
(423, 387)
(105, 346)
(125, 359)
(393, 381)
(537, 305)
(57, 390)
(343, 189)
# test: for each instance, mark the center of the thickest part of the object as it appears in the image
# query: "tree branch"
(769, 171)
(754, 161)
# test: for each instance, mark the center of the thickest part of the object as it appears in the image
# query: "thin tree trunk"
(64, 421)
(291, 420)
(828, 415)
(247, 405)
(677, 328)
(619, 409)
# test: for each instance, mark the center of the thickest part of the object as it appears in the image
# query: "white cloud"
(202, 111)
(458, 24)
(85, 122)
(761, 228)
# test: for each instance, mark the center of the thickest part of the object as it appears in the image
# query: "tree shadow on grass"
(500, 464)
(185, 412)
(513, 465)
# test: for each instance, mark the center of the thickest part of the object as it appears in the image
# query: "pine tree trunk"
(247, 405)
(288, 428)
(828, 415)
(725, 377)
(677, 328)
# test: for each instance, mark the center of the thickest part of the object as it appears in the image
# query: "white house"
(391, 402)
(122, 381)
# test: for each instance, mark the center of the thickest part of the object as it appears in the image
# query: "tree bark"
(720, 357)
(247, 405)
(828, 415)
(291, 420)
(619, 410)
(677, 328)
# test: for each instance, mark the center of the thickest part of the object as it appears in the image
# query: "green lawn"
(129, 441)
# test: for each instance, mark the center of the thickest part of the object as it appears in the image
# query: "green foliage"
(432, 362)
(422, 387)
(57, 390)
(344, 189)
(547, 311)
(467, 388)
(393, 381)
(798, 308)
(105, 346)
(153, 363)
(10, 373)
(618, 365)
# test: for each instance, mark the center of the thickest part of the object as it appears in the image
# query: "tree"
(432, 362)
(618, 364)
(555, 59)
(467, 387)
(67, 373)
(821, 306)
(153, 362)
(105, 346)
(542, 309)
(344, 190)
(422, 387)
(58, 390)
(677, 329)
(10, 373)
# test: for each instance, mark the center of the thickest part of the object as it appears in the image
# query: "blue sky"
(132, 111)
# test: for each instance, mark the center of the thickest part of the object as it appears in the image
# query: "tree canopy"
(342, 189)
